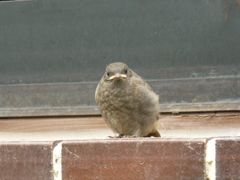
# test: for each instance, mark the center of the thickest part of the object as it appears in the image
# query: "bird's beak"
(117, 76)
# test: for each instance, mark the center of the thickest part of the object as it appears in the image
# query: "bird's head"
(117, 71)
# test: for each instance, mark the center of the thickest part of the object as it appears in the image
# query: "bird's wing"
(139, 81)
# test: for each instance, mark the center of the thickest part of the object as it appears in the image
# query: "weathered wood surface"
(170, 125)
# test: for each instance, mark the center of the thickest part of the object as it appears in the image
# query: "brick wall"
(143, 158)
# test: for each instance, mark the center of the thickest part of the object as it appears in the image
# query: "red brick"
(148, 158)
(25, 160)
(228, 158)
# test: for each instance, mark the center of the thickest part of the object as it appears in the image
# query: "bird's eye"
(108, 74)
(125, 71)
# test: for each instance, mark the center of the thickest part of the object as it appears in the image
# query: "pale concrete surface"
(73, 128)
(103, 134)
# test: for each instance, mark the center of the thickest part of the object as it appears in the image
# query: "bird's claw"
(119, 136)
(131, 136)
(124, 136)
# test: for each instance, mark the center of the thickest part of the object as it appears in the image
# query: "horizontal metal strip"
(93, 110)
(70, 99)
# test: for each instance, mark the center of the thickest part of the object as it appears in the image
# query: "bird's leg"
(124, 136)
(119, 136)
(130, 136)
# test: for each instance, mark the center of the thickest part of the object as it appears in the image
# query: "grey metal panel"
(174, 43)
(64, 41)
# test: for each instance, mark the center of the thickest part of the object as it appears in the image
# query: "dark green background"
(46, 41)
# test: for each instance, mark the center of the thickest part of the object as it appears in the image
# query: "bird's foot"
(119, 136)
(124, 136)
(128, 136)
(112, 136)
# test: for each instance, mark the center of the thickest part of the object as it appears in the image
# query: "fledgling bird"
(127, 103)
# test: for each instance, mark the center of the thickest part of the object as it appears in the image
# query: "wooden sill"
(93, 127)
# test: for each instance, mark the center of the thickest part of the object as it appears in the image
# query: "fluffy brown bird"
(127, 103)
